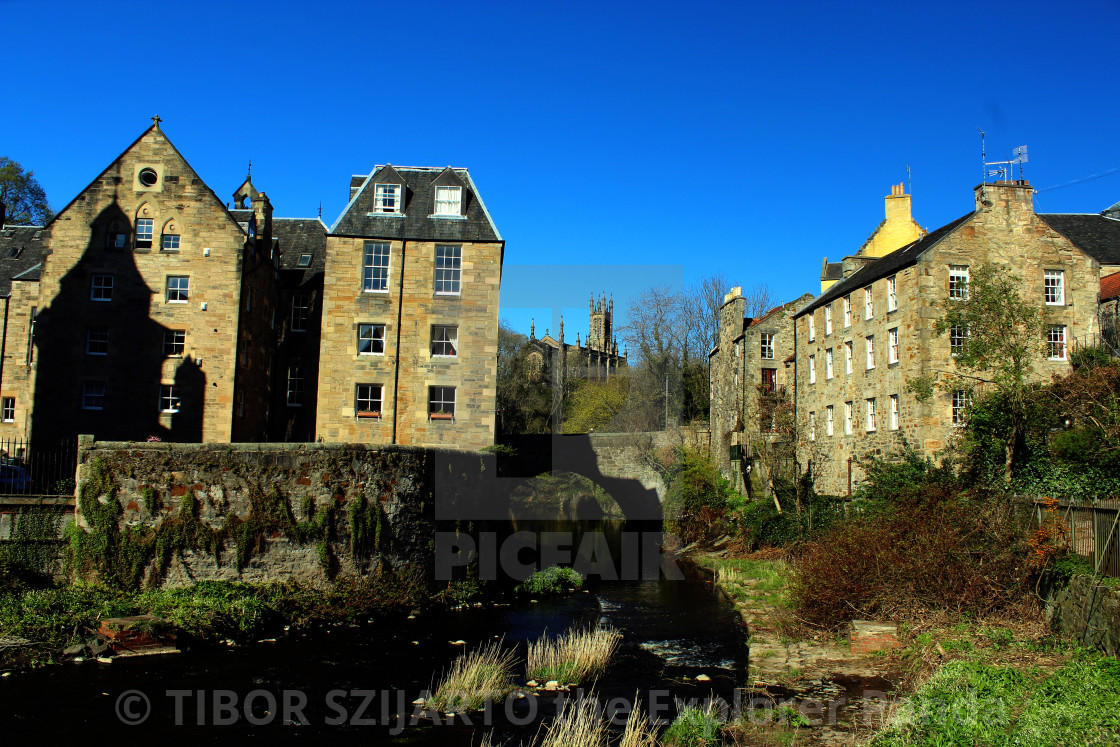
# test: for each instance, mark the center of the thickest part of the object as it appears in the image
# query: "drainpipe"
(397, 352)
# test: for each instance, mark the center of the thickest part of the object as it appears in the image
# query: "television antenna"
(1001, 169)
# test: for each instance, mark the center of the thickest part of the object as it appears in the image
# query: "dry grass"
(639, 732)
(574, 656)
(580, 725)
(475, 677)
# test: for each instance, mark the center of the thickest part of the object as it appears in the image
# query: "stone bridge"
(623, 464)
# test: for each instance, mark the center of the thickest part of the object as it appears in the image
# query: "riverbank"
(49, 625)
(952, 680)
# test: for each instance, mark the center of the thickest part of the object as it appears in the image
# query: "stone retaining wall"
(1087, 611)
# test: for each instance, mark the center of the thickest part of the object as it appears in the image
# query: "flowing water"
(340, 680)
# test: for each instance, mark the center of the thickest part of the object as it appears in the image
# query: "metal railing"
(1093, 530)
(34, 469)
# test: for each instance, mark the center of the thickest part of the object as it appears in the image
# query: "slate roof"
(1094, 234)
(832, 270)
(886, 265)
(357, 218)
(1110, 286)
(297, 236)
(27, 240)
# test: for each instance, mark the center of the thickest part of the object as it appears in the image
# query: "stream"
(349, 683)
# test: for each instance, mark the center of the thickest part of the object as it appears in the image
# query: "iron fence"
(1093, 530)
(34, 469)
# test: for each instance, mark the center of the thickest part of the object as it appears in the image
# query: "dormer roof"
(416, 223)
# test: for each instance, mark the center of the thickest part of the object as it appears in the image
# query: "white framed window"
(386, 198)
(93, 395)
(295, 385)
(169, 242)
(1056, 343)
(116, 240)
(301, 312)
(828, 425)
(868, 302)
(958, 335)
(958, 282)
(812, 426)
(101, 288)
(367, 400)
(375, 268)
(960, 407)
(847, 311)
(870, 351)
(848, 418)
(894, 412)
(145, 227)
(174, 342)
(169, 399)
(449, 268)
(892, 345)
(848, 357)
(892, 293)
(871, 414)
(178, 288)
(812, 326)
(812, 369)
(445, 341)
(449, 201)
(1054, 288)
(97, 341)
(371, 339)
(766, 346)
(8, 409)
(441, 403)
(828, 320)
(828, 364)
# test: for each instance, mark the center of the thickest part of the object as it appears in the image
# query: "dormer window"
(449, 201)
(304, 260)
(387, 198)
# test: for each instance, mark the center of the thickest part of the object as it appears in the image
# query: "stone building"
(135, 324)
(860, 341)
(149, 307)
(409, 344)
(597, 360)
(751, 380)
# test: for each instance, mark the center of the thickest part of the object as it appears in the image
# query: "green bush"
(693, 727)
(697, 499)
(551, 580)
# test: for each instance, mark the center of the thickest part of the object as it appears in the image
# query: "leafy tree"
(1003, 338)
(524, 398)
(595, 405)
(24, 200)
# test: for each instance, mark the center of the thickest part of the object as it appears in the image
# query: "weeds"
(579, 725)
(475, 678)
(694, 727)
(551, 580)
(573, 657)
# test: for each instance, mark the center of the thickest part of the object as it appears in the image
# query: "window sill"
(440, 416)
(436, 216)
(384, 291)
(434, 355)
(386, 215)
(372, 355)
(169, 251)
(369, 416)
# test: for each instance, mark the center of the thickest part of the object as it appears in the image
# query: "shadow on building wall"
(109, 386)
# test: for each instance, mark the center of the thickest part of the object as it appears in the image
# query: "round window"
(148, 177)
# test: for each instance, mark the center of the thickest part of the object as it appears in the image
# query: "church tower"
(600, 333)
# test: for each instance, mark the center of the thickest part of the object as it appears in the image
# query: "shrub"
(693, 727)
(572, 657)
(933, 550)
(551, 580)
(580, 725)
(697, 499)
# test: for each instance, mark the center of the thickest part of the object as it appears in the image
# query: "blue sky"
(629, 144)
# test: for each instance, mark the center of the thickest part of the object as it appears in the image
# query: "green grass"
(761, 581)
(975, 703)
(693, 727)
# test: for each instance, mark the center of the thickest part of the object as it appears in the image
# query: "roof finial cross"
(156, 120)
(249, 174)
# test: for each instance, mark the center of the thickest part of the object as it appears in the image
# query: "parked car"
(15, 479)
